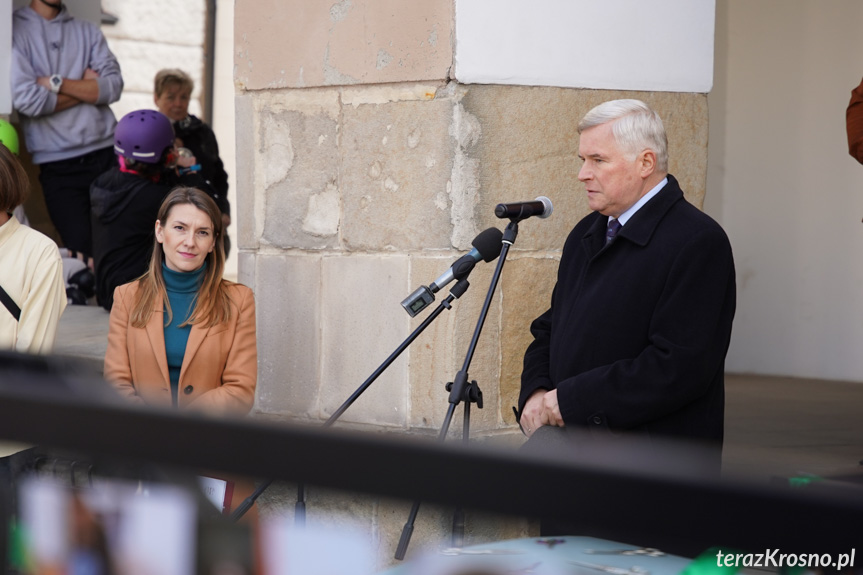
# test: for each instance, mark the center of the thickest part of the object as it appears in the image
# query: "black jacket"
(124, 208)
(200, 139)
(637, 332)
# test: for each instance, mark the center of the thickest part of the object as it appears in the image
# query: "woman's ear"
(160, 233)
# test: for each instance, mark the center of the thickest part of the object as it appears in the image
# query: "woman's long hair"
(213, 304)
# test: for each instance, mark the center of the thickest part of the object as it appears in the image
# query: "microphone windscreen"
(488, 244)
(547, 206)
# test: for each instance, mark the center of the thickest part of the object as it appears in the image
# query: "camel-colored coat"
(219, 371)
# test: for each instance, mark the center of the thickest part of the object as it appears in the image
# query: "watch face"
(56, 81)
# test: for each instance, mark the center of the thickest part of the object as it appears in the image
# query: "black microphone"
(540, 207)
(486, 247)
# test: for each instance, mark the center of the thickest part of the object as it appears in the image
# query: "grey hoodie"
(67, 47)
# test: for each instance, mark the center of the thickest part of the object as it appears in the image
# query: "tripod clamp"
(461, 390)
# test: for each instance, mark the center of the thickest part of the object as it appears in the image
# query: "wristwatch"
(56, 81)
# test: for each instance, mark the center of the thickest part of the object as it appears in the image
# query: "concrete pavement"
(83, 333)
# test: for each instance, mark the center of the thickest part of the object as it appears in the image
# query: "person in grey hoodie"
(63, 78)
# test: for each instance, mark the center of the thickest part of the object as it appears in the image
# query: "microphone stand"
(300, 510)
(460, 390)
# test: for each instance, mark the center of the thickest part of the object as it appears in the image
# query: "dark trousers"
(66, 187)
(626, 455)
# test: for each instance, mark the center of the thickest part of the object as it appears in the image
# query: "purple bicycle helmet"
(143, 135)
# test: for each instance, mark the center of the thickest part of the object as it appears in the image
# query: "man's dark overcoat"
(637, 333)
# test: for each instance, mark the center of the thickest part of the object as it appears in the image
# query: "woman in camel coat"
(181, 335)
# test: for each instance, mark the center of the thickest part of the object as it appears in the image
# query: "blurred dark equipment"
(80, 287)
(85, 281)
(44, 401)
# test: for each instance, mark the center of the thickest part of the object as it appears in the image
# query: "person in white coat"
(31, 272)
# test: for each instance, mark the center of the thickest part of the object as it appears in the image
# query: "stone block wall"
(357, 199)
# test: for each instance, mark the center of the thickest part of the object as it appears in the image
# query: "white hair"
(636, 127)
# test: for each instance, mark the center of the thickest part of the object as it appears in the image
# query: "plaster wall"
(584, 44)
(785, 188)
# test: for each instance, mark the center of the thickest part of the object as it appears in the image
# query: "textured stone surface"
(523, 302)
(396, 160)
(246, 268)
(432, 354)
(308, 43)
(440, 352)
(249, 203)
(485, 363)
(685, 119)
(296, 167)
(432, 528)
(289, 333)
(361, 324)
(338, 512)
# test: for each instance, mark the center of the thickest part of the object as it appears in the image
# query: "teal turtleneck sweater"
(182, 290)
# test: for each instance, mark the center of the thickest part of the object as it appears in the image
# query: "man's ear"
(647, 162)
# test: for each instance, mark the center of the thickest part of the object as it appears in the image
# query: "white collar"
(624, 217)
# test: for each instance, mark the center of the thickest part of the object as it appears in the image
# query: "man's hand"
(85, 90)
(74, 92)
(64, 101)
(541, 409)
